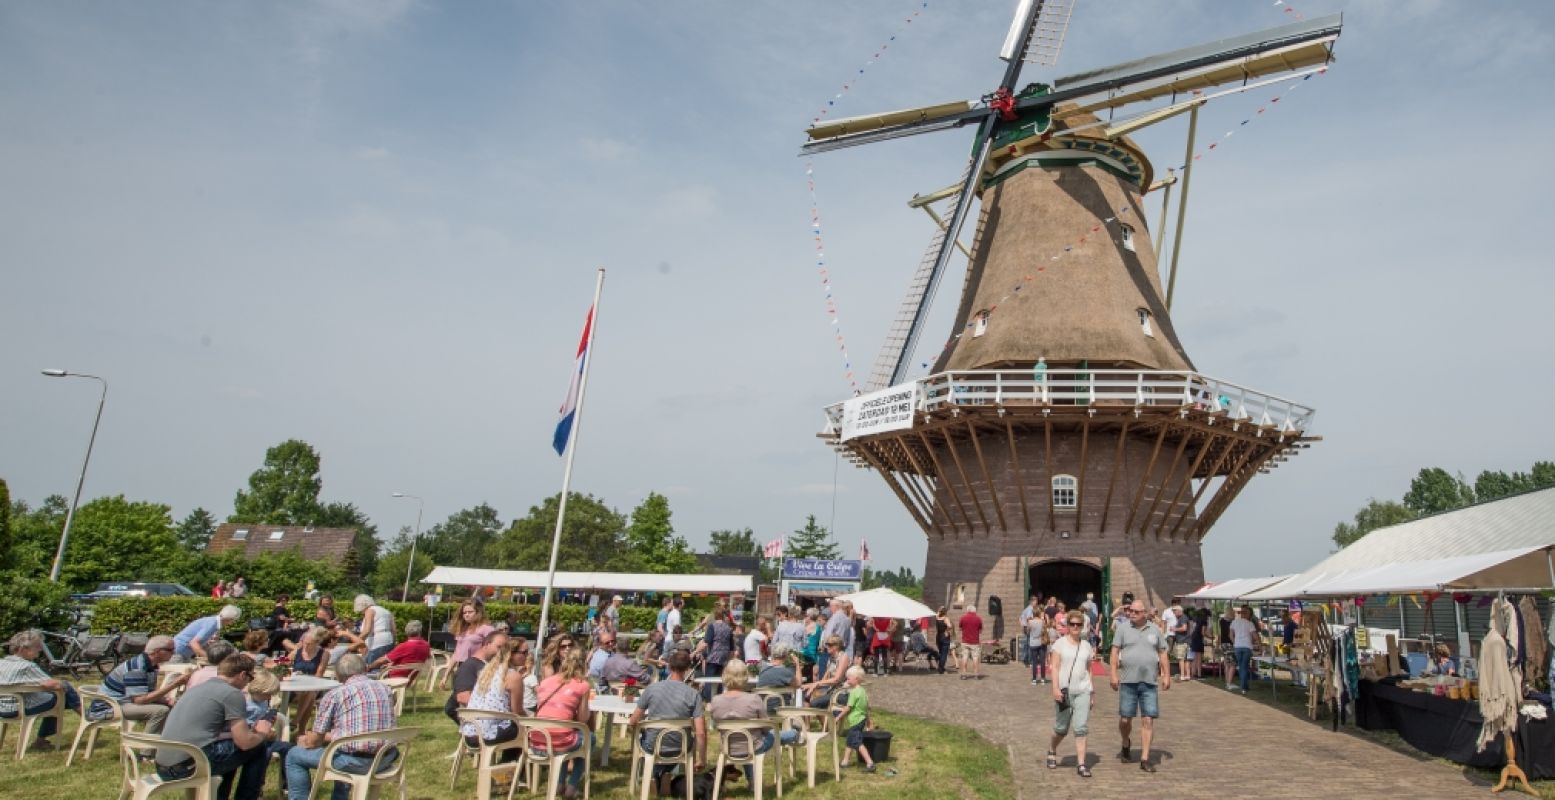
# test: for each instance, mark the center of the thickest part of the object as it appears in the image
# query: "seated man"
(20, 667)
(217, 652)
(672, 699)
(205, 717)
(358, 705)
(134, 684)
(414, 650)
(622, 665)
(604, 645)
(190, 642)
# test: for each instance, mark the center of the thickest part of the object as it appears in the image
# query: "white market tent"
(1233, 589)
(601, 581)
(1503, 544)
(884, 602)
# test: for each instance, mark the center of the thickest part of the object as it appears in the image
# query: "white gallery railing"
(1102, 387)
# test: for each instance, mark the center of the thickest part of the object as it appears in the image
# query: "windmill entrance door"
(1069, 581)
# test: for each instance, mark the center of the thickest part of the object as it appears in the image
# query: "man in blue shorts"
(1139, 665)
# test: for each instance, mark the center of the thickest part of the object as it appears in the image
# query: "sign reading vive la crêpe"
(822, 569)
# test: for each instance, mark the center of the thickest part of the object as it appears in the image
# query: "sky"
(375, 226)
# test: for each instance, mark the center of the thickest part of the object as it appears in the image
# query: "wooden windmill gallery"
(1062, 441)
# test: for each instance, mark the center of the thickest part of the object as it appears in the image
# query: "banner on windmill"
(876, 412)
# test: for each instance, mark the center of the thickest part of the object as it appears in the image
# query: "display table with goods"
(1449, 728)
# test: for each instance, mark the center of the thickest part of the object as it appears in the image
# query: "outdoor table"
(614, 707)
(1450, 728)
(301, 684)
(1271, 663)
(710, 680)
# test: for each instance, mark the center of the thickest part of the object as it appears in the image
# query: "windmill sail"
(1047, 38)
(894, 350)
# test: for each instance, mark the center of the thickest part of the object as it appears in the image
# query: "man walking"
(1139, 665)
(971, 650)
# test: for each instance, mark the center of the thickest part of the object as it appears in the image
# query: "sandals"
(1146, 765)
(1083, 771)
(1052, 760)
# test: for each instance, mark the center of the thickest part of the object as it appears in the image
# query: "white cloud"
(606, 149)
(371, 153)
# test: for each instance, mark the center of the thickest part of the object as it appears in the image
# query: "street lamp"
(420, 505)
(64, 538)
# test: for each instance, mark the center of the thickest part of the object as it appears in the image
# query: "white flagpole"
(572, 450)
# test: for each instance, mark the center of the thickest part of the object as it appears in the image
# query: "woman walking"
(1069, 662)
(1038, 633)
(942, 638)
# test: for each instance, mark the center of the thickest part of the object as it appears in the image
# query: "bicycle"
(80, 650)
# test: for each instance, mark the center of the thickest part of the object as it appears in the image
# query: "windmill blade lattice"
(893, 351)
(1047, 37)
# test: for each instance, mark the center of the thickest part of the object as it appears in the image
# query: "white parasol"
(884, 602)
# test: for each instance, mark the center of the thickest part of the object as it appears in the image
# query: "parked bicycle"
(77, 649)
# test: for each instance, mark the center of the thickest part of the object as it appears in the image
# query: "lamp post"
(420, 505)
(64, 538)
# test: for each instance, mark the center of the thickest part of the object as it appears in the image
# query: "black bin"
(879, 744)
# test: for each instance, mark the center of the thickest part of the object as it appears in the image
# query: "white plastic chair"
(23, 721)
(643, 761)
(377, 774)
(815, 726)
(439, 665)
(142, 786)
(398, 687)
(414, 674)
(89, 727)
(746, 734)
(547, 758)
(487, 755)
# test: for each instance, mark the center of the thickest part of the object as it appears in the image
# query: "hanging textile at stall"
(1499, 692)
(1538, 650)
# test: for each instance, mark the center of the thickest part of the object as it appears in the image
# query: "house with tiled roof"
(329, 545)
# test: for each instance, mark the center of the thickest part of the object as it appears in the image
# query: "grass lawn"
(932, 760)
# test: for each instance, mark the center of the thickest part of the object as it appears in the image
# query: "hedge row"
(169, 615)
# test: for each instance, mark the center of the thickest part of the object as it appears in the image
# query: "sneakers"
(1146, 765)
(1034, 681)
(870, 768)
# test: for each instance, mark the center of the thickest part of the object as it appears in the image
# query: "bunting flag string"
(1288, 9)
(821, 265)
(1040, 267)
(1271, 104)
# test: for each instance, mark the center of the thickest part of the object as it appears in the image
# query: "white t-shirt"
(1034, 628)
(1243, 632)
(671, 622)
(1168, 621)
(1075, 678)
(753, 643)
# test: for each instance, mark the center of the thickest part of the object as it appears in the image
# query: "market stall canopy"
(601, 581)
(1233, 589)
(884, 602)
(1501, 536)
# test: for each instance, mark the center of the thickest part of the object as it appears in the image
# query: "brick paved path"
(1209, 744)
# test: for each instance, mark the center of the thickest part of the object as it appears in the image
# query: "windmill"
(1063, 441)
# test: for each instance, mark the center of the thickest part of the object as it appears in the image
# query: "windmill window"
(1144, 322)
(240, 534)
(1065, 489)
(980, 326)
(1128, 238)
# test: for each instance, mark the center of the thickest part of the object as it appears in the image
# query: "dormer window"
(1128, 237)
(980, 325)
(1144, 322)
(241, 534)
(276, 536)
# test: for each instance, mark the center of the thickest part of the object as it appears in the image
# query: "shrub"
(31, 603)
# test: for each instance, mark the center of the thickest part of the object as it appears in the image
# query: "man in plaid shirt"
(359, 705)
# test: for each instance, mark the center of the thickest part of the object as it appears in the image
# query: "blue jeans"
(301, 761)
(378, 652)
(789, 737)
(1138, 700)
(1244, 663)
(226, 760)
(572, 768)
(944, 654)
(50, 725)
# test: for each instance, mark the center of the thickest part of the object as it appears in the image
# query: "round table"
(300, 684)
(615, 707)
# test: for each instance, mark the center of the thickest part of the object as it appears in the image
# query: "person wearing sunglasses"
(134, 684)
(1139, 666)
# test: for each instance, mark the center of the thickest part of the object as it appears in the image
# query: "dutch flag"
(569, 410)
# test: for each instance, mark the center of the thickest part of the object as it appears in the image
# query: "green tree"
(6, 543)
(734, 543)
(362, 559)
(812, 541)
(1375, 514)
(1434, 491)
(114, 539)
(652, 542)
(463, 538)
(388, 579)
(1543, 474)
(285, 491)
(35, 534)
(196, 530)
(593, 537)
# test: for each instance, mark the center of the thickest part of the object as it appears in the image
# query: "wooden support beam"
(924, 486)
(950, 444)
(911, 481)
(928, 478)
(1225, 492)
(1160, 487)
(1187, 480)
(977, 447)
(1079, 492)
(944, 477)
(1047, 457)
(890, 479)
(1020, 483)
(1144, 480)
(1242, 478)
(1220, 461)
(1112, 483)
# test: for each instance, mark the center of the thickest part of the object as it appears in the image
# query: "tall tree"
(285, 491)
(1543, 474)
(6, 545)
(734, 543)
(462, 539)
(593, 537)
(812, 541)
(652, 542)
(1375, 514)
(114, 539)
(195, 531)
(363, 556)
(35, 533)
(1434, 491)
(388, 578)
